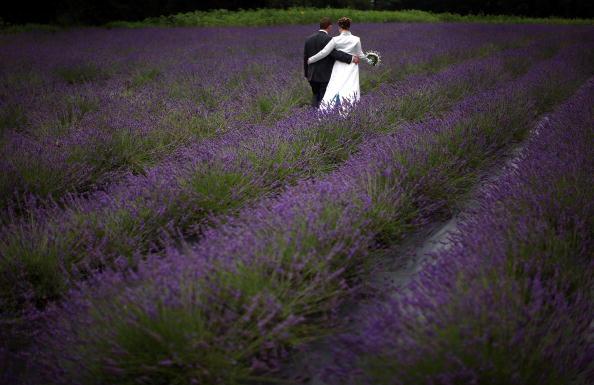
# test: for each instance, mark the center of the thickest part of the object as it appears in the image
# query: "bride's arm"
(323, 53)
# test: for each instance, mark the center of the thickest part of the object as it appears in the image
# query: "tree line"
(95, 12)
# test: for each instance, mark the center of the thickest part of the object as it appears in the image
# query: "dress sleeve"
(323, 53)
(358, 50)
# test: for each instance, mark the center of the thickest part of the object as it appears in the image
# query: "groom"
(318, 73)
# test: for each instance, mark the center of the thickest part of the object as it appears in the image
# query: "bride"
(344, 81)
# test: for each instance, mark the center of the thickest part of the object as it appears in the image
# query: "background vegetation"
(267, 16)
(261, 17)
(76, 12)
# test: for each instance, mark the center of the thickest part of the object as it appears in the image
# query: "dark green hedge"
(71, 12)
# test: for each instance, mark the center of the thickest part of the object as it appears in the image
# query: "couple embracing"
(331, 64)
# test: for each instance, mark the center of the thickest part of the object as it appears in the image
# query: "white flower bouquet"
(373, 58)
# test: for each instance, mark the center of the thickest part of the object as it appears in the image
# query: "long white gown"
(344, 81)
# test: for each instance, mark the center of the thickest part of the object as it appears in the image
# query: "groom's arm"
(341, 56)
(305, 57)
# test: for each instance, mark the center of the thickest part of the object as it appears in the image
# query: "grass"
(123, 150)
(43, 176)
(298, 15)
(215, 191)
(258, 17)
(82, 73)
(551, 96)
(145, 76)
(186, 124)
(336, 143)
(75, 108)
(276, 105)
(38, 266)
(12, 116)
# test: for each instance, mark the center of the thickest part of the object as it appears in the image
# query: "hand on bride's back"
(355, 59)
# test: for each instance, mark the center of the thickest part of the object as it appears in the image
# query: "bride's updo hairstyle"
(344, 23)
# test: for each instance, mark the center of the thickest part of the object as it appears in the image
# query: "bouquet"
(373, 58)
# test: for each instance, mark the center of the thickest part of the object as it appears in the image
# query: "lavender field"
(173, 212)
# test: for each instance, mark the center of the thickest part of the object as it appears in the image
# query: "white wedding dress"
(344, 81)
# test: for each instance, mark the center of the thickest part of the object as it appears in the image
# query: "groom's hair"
(325, 22)
(344, 23)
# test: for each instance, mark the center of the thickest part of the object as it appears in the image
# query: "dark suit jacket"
(321, 70)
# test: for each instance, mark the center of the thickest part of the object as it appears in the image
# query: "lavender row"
(43, 252)
(147, 94)
(510, 301)
(225, 310)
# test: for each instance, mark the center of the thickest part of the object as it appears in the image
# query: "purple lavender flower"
(285, 205)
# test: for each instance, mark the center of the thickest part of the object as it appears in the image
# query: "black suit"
(318, 73)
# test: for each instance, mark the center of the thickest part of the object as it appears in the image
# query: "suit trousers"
(318, 89)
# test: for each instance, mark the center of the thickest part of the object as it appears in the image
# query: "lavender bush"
(511, 300)
(140, 215)
(227, 309)
(91, 105)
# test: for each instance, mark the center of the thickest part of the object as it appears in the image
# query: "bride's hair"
(344, 23)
